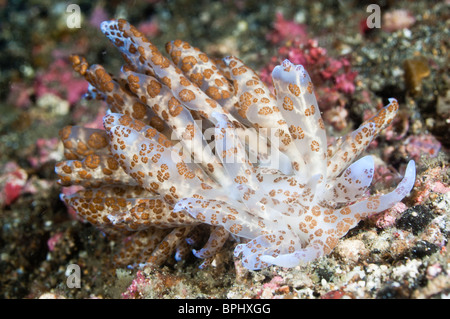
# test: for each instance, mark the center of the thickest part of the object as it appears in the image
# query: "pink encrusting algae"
(195, 141)
(12, 182)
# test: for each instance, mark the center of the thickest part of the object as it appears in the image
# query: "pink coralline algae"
(53, 241)
(425, 144)
(61, 82)
(156, 285)
(388, 217)
(274, 289)
(20, 95)
(416, 147)
(397, 20)
(194, 145)
(150, 28)
(429, 183)
(285, 30)
(15, 181)
(98, 15)
(12, 182)
(137, 287)
(46, 150)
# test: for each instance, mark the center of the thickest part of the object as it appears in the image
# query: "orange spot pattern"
(139, 183)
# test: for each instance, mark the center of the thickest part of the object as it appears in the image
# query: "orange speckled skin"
(143, 185)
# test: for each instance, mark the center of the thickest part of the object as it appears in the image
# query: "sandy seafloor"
(401, 254)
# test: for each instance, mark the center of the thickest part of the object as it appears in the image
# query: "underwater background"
(358, 56)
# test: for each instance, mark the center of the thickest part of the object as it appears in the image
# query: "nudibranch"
(194, 143)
